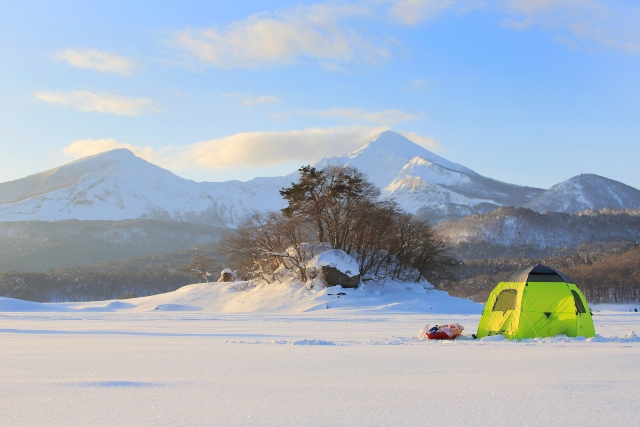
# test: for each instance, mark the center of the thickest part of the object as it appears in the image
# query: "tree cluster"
(80, 284)
(523, 233)
(602, 277)
(338, 208)
(611, 278)
(129, 278)
(201, 267)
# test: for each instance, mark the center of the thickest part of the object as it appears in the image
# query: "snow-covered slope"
(423, 181)
(117, 185)
(245, 297)
(586, 191)
(386, 154)
(521, 232)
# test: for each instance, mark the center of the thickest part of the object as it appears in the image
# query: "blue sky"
(530, 92)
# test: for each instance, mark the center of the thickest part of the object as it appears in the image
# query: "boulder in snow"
(337, 268)
(334, 277)
(227, 275)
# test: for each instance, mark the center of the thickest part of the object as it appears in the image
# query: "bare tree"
(268, 242)
(418, 246)
(200, 267)
(339, 206)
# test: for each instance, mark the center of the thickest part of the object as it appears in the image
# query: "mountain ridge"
(586, 191)
(522, 232)
(117, 185)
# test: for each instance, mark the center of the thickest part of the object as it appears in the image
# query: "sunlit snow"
(282, 354)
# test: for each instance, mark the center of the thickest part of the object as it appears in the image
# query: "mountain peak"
(393, 142)
(120, 164)
(390, 143)
(586, 191)
(589, 178)
(118, 185)
(592, 182)
(116, 155)
(388, 137)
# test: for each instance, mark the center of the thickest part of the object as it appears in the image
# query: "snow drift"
(284, 297)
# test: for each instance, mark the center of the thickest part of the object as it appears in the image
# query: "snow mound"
(630, 337)
(494, 338)
(312, 342)
(337, 259)
(109, 306)
(286, 297)
(176, 307)
(13, 305)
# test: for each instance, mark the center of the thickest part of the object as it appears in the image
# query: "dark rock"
(334, 277)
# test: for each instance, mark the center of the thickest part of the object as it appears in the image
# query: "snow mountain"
(586, 191)
(117, 185)
(425, 183)
(524, 233)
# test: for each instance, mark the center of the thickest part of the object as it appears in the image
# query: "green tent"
(536, 302)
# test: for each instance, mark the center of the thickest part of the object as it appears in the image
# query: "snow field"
(282, 354)
(324, 367)
(286, 297)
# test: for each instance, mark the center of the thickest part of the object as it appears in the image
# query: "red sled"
(441, 332)
(441, 336)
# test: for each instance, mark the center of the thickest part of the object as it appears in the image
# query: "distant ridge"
(523, 233)
(423, 182)
(117, 185)
(586, 191)
(106, 163)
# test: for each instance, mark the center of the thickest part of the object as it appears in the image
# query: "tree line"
(602, 276)
(338, 208)
(133, 277)
(84, 285)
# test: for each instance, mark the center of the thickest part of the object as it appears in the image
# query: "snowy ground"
(214, 355)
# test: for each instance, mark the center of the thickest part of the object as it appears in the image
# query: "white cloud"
(411, 12)
(257, 149)
(314, 32)
(242, 150)
(614, 25)
(249, 153)
(574, 23)
(417, 85)
(250, 100)
(98, 102)
(88, 147)
(385, 117)
(280, 116)
(94, 59)
(427, 141)
(523, 14)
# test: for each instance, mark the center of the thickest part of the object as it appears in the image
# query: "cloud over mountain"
(117, 185)
(91, 102)
(95, 59)
(316, 32)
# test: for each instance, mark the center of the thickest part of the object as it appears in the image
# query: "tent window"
(506, 300)
(579, 306)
